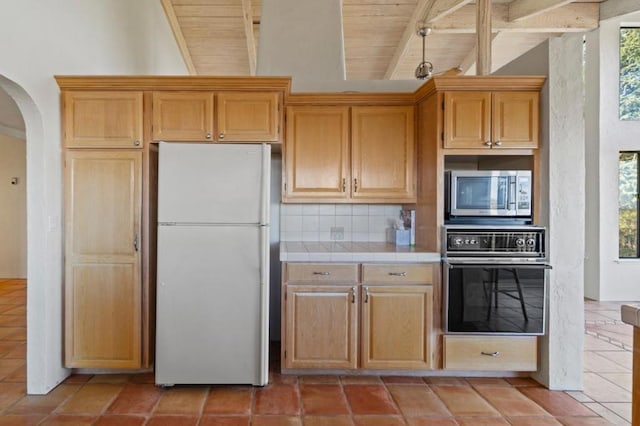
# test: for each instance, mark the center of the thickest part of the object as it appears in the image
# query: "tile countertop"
(351, 251)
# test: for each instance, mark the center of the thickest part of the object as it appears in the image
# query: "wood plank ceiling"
(220, 37)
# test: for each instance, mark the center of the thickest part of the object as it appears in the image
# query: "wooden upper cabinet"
(183, 116)
(516, 119)
(317, 153)
(383, 153)
(467, 119)
(248, 117)
(103, 291)
(396, 327)
(236, 117)
(491, 120)
(94, 119)
(321, 326)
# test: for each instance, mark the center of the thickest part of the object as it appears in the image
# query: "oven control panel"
(528, 241)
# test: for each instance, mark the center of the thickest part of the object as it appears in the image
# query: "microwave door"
(480, 196)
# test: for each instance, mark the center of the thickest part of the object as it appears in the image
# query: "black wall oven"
(495, 280)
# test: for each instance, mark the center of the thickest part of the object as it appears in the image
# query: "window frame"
(637, 204)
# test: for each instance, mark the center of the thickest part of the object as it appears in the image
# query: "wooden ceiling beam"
(177, 34)
(471, 57)
(442, 8)
(247, 18)
(574, 17)
(427, 11)
(522, 9)
(483, 37)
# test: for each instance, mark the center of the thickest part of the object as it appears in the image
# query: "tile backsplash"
(358, 222)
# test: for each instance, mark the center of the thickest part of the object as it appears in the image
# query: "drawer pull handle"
(493, 354)
(398, 274)
(366, 295)
(353, 294)
(322, 273)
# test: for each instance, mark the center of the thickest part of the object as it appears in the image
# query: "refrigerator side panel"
(211, 306)
(222, 183)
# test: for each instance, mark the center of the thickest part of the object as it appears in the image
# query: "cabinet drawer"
(397, 273)
(491, 353)
(322, 273)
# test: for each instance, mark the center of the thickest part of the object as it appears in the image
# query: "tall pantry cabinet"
(103, 236)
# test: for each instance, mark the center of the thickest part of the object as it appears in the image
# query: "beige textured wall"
(13, 208)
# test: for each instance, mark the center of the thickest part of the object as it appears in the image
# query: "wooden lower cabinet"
(333, 322)
(321, 326)
(396, 327)
(103, 290)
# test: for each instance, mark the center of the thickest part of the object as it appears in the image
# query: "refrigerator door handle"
(266, 177)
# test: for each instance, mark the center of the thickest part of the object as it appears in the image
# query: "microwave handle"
(511, 201)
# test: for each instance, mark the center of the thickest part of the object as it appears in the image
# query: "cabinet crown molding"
(484, 83)
(173, 83)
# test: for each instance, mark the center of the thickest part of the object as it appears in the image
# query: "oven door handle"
(498, 265)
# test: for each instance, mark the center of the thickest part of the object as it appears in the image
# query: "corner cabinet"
(103, 291)
(491, 120)
(216, 117)
(333, 319)
(350, 154)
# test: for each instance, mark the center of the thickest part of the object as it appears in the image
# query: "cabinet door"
(248, 117)
(467, 119)
(102, 119)
(383, 154)
(102, 259)
(515, 119)
(396, 327)
(183, 116)
(317, 153)
(321, 326)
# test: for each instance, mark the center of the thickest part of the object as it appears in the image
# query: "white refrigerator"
(213, 264)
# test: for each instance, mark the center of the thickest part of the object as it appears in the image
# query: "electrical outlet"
(337, 232)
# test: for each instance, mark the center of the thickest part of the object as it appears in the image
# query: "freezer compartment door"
(200, 183)
(211, 305)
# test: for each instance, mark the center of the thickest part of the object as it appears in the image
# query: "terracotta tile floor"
(322, 400)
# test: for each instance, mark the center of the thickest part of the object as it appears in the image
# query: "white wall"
(611, 279)
(562, 187)
(13, 208)
(42, 39)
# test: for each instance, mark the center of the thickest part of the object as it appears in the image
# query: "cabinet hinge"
(442, 104)
(442, 136)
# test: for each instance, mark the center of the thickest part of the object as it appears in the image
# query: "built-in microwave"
(486, 194)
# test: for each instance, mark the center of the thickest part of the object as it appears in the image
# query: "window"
(628, 204)
(630, 73)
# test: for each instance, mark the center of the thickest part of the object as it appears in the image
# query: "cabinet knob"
(355, 185)
(136, 143)
(488, 143)
(208, 136)
(498, 143)
(366, 295)
(344, 184)
(353, 294)
(221, 136)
